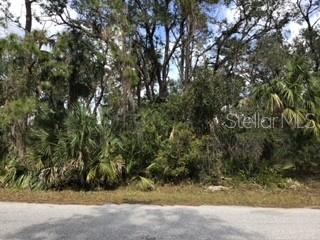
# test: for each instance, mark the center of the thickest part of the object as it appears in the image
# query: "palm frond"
(144, 184)
(313, 127)
(274, 103)
(294, 117)
(286, 92)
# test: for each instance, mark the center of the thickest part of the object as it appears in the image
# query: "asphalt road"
(143, 222)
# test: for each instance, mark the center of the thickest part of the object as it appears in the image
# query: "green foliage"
(139, 92)
(248, 161)
(17, 110)
(170, 163)
(186, 157)
(292, 97)
(141, 145)
(108, 168)
(205, 160)
(143, 184)
(205, 100)
(15, 174)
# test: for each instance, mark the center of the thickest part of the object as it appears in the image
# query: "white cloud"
(292, 31)
(231, 13)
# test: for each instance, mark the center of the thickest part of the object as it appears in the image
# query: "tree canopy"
(144, 91)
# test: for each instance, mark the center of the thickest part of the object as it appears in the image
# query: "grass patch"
(174, 195)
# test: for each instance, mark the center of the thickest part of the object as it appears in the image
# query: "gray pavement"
(144, 222)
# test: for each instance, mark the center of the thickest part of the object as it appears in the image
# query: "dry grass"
(174, 195)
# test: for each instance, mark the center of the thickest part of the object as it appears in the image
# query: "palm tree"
(107, 168)
(77, 144)
(293, 97)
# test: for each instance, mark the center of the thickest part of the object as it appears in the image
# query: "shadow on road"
(135, 222)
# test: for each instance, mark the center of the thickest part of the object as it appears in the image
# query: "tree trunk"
(73, 95)
(182, 55)
(28, 25)
(18, 135)
(163, 88)
(189, 50)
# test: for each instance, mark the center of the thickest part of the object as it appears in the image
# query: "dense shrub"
(186, 157)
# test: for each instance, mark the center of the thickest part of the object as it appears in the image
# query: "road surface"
(144, 222)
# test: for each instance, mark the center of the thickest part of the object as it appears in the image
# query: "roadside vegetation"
(96, 106)
(307, 196)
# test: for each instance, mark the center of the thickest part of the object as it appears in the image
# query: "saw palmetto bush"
(293, 97)
(87, 152)
(19, 173)
(107, 168)
(77, 145)
(82, 153)
(294, 100)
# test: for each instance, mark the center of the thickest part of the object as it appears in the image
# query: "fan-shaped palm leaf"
(294, 117)
(144, 184)
(274, 103)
